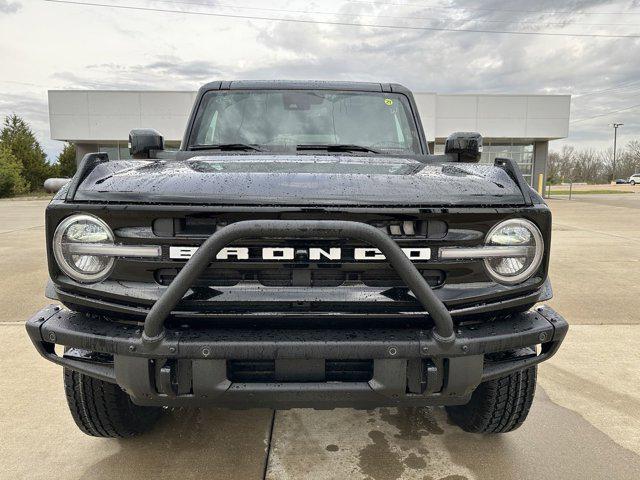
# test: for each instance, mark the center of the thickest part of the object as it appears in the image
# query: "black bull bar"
(154, 322)
(415, 366)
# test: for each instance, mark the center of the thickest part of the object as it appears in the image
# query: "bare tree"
(632, 164)
(587, 166)
(606, 159)
(593, 166)
(560, 164)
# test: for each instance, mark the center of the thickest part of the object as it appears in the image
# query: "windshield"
(306, 119)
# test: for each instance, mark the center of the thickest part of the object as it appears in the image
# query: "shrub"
(11, 181)
(19, 139)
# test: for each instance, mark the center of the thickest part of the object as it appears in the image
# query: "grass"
(36, 194)
(588, 192)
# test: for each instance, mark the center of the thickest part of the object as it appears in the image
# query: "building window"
(120, 150)
(111, 150)
(522, 153)
(124, 150)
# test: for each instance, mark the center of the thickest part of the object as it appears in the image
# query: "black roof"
(304, 85)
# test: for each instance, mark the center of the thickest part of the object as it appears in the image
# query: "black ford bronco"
(302, 248)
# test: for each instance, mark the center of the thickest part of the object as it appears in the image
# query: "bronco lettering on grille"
(290, 253)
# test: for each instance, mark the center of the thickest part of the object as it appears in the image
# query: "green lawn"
(588, 192)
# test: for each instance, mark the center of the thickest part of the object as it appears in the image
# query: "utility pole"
(615, 141)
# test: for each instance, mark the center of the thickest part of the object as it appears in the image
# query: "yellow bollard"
(540, 178)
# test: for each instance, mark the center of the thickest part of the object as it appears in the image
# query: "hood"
(299, 180)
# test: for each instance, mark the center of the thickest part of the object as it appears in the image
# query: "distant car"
(635, 178)
(621, 181)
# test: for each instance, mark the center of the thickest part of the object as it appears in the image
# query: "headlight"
(523, 255)
(69, 238)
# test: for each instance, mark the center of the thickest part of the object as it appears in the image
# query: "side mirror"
(464, 147)
(144, 142)
(52, 185)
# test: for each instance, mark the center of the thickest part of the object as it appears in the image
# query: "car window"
(271, 118)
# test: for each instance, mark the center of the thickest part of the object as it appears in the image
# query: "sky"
(593, 54)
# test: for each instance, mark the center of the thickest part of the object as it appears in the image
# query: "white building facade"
(514, 126)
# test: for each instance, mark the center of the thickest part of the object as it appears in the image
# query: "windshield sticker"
(388, 101)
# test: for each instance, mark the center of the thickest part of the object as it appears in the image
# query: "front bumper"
(190, 366)
(157, 364)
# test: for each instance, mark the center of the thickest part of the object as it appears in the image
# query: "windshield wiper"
(225, 146)
(336, 147)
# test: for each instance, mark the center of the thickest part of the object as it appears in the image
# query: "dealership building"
(514, 126)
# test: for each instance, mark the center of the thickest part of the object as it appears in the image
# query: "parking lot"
(584, 423)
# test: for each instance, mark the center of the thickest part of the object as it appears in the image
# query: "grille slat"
(262, 371)
(348, 370)
(282, 277)
(251, 371)
(199, 226)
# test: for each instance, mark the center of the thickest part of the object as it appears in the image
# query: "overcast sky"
(45, 45)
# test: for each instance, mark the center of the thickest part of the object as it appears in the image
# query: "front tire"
(103, 409)
(498, 406)
(632, 182)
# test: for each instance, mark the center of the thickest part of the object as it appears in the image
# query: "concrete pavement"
(595, 258)
(23, 265)
(584, 422)
(40, 440)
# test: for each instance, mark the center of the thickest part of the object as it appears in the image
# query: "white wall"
(536, 117)
(94, 116)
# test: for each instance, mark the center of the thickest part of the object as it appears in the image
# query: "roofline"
(372, 84)
(300, 84)
(546, 95)
(304, 85)
(117, 90)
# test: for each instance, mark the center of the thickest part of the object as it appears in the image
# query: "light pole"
(615, 141)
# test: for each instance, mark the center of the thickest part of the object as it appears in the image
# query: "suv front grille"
(302, 277)
(324, 277)
(389, 278)
(205, 225)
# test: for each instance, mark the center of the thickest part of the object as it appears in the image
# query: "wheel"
(500, 405)
(103, 409)
(632, 182)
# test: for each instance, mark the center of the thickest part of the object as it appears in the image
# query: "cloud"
(164, 73)
(9, 7)
(181, 52)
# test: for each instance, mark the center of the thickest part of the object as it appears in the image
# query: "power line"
(619, 86)
(605, 114)
(345, 24)
(451, 7)
(413, 17)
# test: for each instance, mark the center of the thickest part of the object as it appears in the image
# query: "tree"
(11, 181)
(588, 167)
(560, 165)
(66, 165)
(633, 147)
(606, 160)
(632, 164)
(17, 137)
